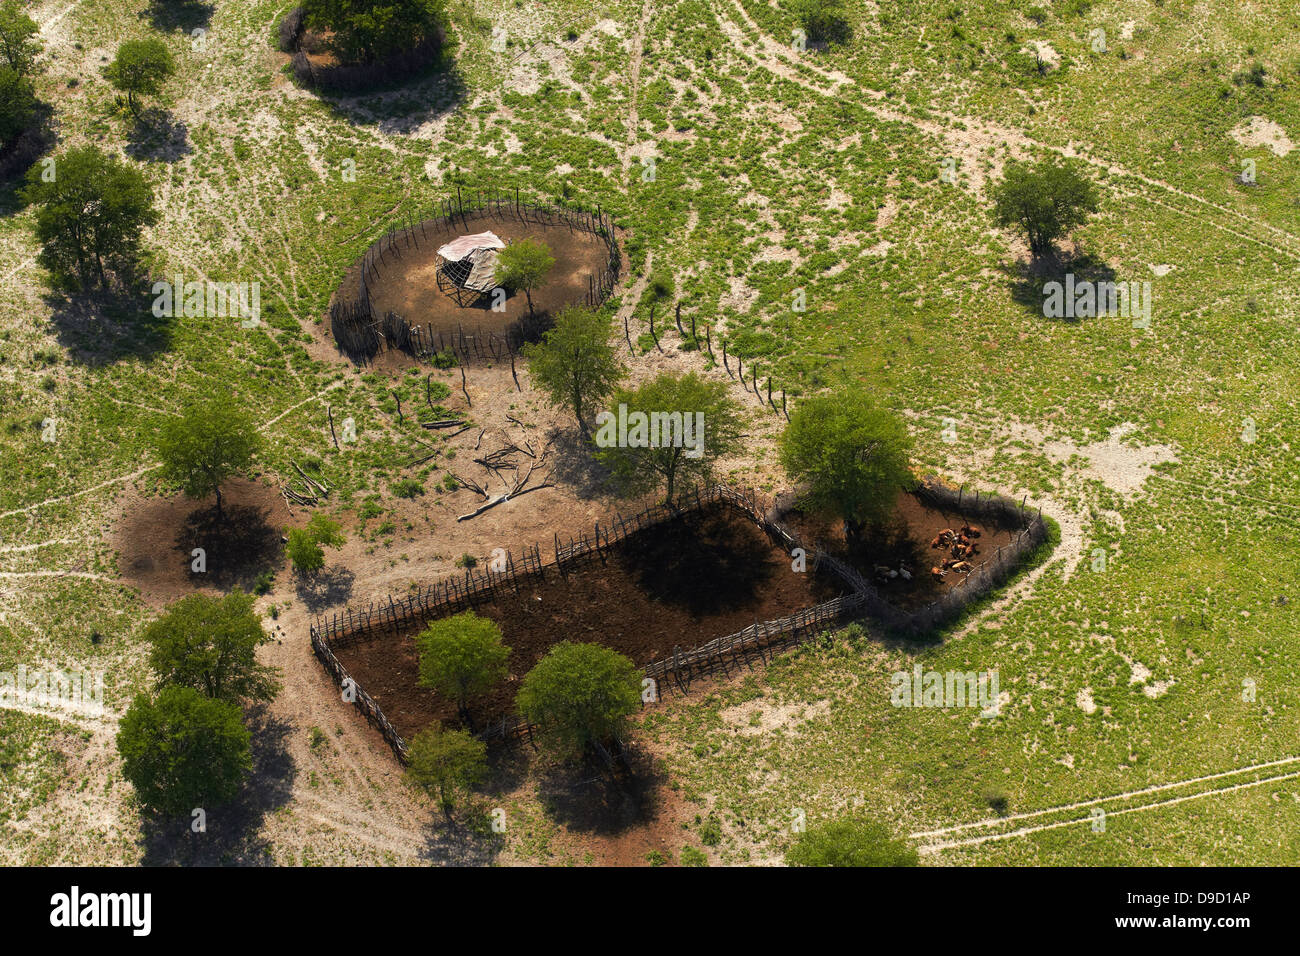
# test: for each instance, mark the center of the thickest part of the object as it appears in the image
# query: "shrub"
(693, 856)
(850, 841)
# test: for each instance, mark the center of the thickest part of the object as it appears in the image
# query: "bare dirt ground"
(155, 539)
(407, 283)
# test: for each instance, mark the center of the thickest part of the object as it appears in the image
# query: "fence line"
(360, 331)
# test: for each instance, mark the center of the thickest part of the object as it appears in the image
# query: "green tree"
(306, 547)
(140, 69)
(445, 763)
(850, 841)
(212, 441)
(19, 38)
(17, 105)
(524, 265)
(90, 216)
(852, 454)
(462, 657)
(677, 427)
(183, 751)
(367, 30)
(576, 363)
(209, 644)
(1046, 200)
(581, 696)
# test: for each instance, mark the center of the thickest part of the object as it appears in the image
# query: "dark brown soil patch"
(683, 582)
(902, 542)
(155, 537)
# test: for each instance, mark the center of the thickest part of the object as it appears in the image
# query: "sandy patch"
(1260, 131)
(758, 717)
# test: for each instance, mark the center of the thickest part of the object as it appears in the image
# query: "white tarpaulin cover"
(458, 249)
(482, 277)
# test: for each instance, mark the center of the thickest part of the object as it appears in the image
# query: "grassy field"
(775, 172)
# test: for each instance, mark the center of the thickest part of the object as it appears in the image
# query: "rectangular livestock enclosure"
(720, 562)
(635, 583)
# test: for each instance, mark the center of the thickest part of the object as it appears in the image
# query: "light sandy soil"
(1260, 131)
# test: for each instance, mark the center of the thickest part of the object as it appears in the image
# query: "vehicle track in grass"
(1100, 802)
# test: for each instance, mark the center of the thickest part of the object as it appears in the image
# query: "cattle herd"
(961, 547)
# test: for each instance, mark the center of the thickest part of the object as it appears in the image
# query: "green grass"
(766, 185)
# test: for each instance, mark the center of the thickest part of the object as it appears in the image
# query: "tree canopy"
(524, 265)
(462, 657)
(368, 30)
(669, 430)
(852, 454)
(17, 104)
(445, 763)
(1045, 199)
(20, 43)
(850, 841)
(306, 547)
(90, 215)
(577, 363)
(183, 751)
(209, 644)
(140, 69)
(580, 695)
(212, 441)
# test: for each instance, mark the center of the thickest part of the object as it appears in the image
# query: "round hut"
(466, 266)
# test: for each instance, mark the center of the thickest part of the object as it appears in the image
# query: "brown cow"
(963, 567)
(970, 532)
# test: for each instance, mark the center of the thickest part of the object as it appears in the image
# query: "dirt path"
(634, 84)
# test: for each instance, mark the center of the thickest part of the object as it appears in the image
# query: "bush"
(693, 856)
(850, 841)
(407, 488)
(305, 544)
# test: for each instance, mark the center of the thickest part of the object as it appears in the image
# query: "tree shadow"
(457, 843)
(396, 101)
(100, 327)
(1027, 278)
(828, 30)
(233, 835)
(701, 562)
(157, 136)
(185, 15)
(35, 141)
(575, 465)
(587, 798)
(238, 548)
(326, 588)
